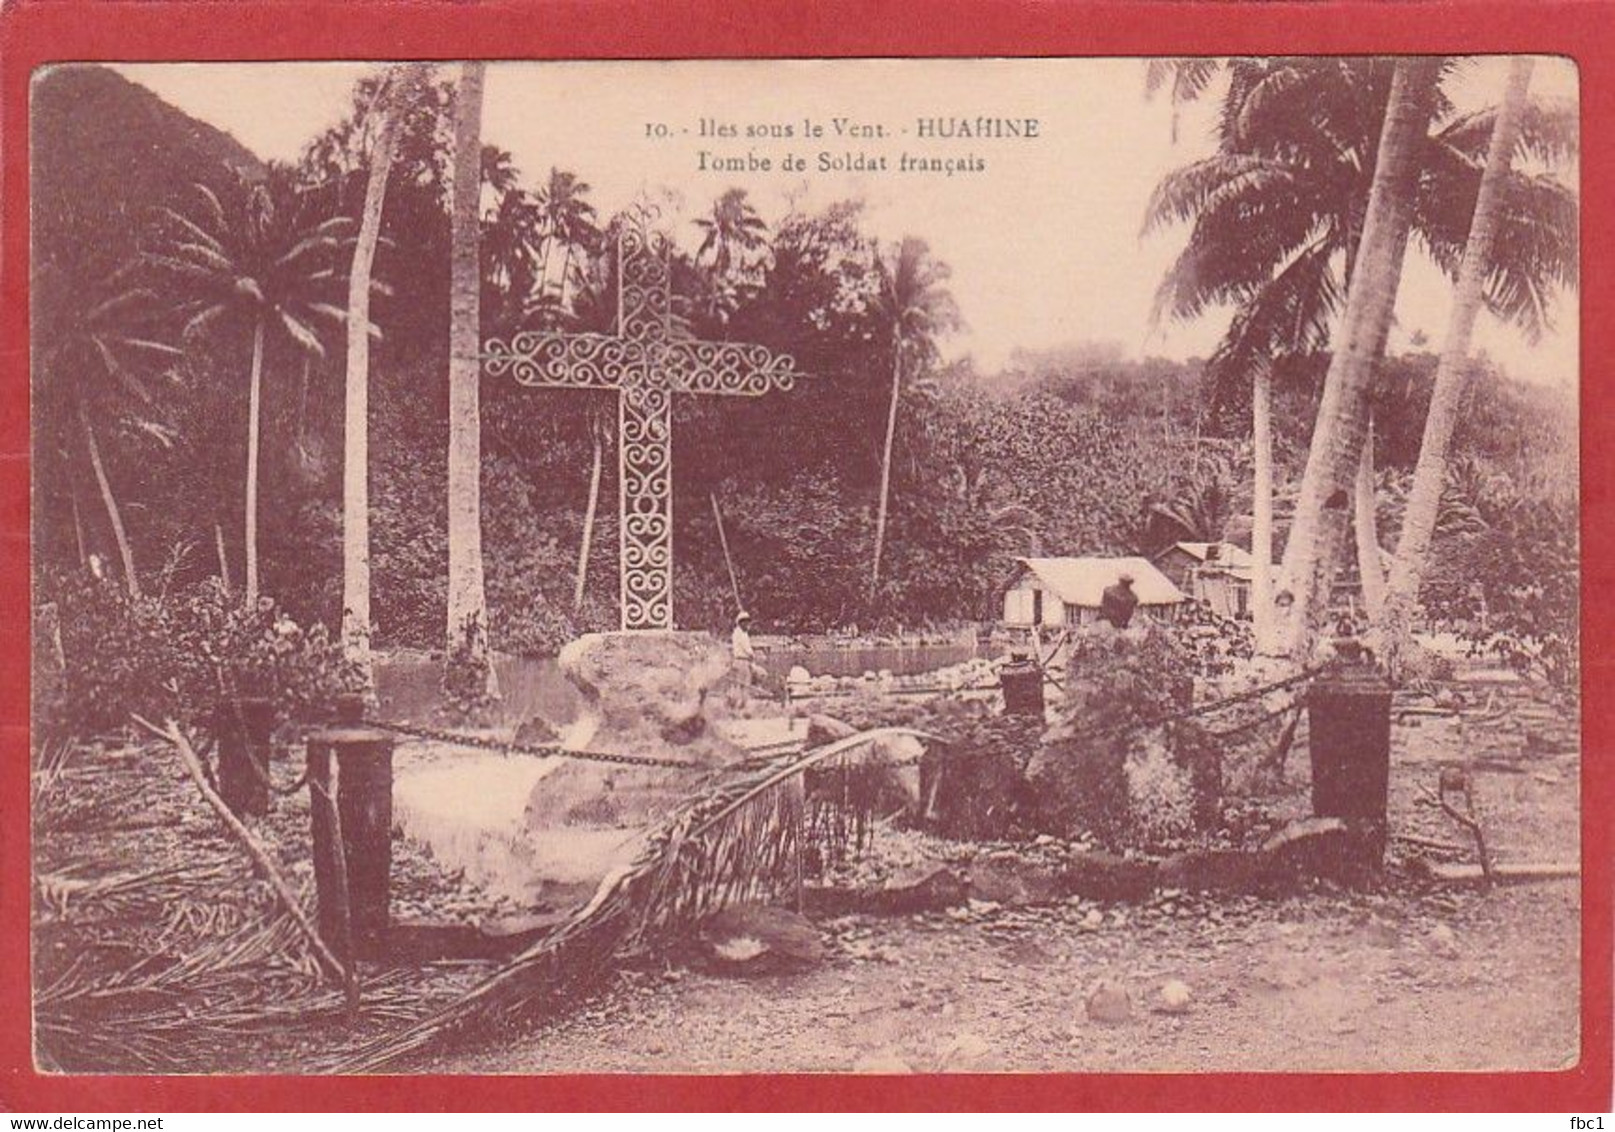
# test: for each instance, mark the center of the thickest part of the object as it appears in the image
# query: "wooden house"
(1055, 592)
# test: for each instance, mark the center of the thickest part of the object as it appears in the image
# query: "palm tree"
(593, 310)
(1310, 557)
(511, 236)
(1278, 210)
(391, 104)
(569, 220)
(499, 170)
(1430, 475)
(1201, 509)
(254, 257)
(915, 306)
(96, 351)
(467, 604)
(733, 226)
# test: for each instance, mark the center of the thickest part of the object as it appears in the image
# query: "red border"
(38, 31)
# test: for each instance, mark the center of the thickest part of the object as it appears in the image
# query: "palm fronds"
(737, 840)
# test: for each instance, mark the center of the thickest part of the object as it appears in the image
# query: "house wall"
(1088, 615)
(1217, 592)
(1179, 565)
(1019, 603)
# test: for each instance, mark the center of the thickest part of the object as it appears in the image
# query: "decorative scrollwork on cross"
(646, 361)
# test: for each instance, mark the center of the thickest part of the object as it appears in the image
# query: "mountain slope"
(104, 153)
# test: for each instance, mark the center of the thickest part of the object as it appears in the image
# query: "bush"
(1096, 755)
(1216, 644)
(180, 654)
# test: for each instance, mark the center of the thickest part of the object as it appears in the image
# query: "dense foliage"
(1073, 451)
(182, 654)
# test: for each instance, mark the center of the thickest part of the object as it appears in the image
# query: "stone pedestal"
(645, 694)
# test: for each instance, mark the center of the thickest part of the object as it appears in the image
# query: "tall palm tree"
(512, 234)
(1430, 475)
(96, 351)
(391, 104)
(731, 231)
(1277, 213)
(467, 604)
(1201, 509)
(594, 310)
(915, 307)
(255, 258)
(569, 220)
(1311, 555)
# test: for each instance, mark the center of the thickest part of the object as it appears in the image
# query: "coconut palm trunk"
(356, 415)
(1429, 475)
(78, 528)
(254, 419)
(544, 265)
(886, 466)
(223, 555)
(1365, 523)
(597, 435)
(1312, 555)
(1262, 613)
(110, 501)
(467, 603)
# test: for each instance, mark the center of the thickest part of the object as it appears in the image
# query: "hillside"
(105, 152)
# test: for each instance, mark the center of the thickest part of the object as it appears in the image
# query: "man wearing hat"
(745, 656)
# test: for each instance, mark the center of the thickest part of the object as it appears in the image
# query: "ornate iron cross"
(646, 361)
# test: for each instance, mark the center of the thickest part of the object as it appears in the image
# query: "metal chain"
(555, 750)
(544, 751)
(1206, 709)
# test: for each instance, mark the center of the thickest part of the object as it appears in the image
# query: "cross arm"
(577, 361)
(741, 369)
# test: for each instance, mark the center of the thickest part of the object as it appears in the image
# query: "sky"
(1044, 241)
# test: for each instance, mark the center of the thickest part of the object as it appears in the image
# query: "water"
(409, 685)
(901, 660)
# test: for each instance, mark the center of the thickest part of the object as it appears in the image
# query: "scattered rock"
(756, 939)
(536, 732)
(1287, 972)
(1444, 941)
(924, 887)
(1174, 997)
(1109, 1004)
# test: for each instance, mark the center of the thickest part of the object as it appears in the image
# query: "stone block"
(1098, 875)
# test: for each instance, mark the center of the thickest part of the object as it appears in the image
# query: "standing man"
(1117, 603)
(744, 655)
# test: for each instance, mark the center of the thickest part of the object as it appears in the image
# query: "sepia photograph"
(840, 566)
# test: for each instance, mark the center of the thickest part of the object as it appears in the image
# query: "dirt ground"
(1319, 982)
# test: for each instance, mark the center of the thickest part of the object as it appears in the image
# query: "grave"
(648, 691)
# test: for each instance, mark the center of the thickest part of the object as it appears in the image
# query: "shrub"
(1215, 643)
(180, 654)
(1085, 773)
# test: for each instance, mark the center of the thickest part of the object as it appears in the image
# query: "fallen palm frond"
(158, 968)
(736, 840)
(178, 1013)
(112, 894)
(172, 734)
